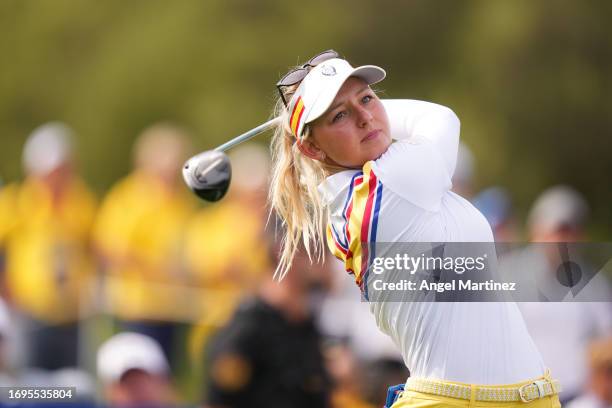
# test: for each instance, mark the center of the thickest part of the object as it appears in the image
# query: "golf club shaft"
(248, 135)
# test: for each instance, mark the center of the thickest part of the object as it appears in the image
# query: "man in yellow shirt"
(44, 228)
(139, 236)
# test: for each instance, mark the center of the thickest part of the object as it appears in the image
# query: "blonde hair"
(294, 195)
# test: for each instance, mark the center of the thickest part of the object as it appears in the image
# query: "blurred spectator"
(225, 245)
(348, 383)
(45, 226)
(463, 179)
(558, 215)
(237, 222)
(494, 203)
(139, 235)
(562, 331)
(598, 393)
(269, 353)
(134, 372)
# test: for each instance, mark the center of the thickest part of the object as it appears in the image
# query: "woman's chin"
(379, 149)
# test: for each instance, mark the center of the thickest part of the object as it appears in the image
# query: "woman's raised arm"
(413, 120)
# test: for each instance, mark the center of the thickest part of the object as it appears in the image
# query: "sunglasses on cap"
(296, 75)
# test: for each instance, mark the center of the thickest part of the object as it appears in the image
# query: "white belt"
(527, 392)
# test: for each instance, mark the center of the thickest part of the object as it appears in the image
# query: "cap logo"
(328, 70)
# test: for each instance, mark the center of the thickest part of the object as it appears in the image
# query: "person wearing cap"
(138, 235)
(45, 229)
(380, 171)
(558, 214)
(564, 322)
(134, 372)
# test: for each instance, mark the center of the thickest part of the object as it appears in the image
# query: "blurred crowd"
(146, 297)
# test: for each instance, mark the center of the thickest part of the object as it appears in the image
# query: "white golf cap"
(127, 351)
(319, 88)
(47, 147)
(558, 206)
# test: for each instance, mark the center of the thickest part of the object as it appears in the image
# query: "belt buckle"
(541, 392)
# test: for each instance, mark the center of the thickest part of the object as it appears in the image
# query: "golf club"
(209, 173)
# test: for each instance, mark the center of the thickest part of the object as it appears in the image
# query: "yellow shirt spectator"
(139, 232)
(225, 245)
(47, 247)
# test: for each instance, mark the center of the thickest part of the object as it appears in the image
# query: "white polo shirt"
(404, 196)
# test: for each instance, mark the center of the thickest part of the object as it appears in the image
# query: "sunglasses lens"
(324, 56)
(293, 77)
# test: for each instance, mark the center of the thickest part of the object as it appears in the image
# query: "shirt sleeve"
(413, 121)
(419, 165)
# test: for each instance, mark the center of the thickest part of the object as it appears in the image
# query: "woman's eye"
(338, 116)
(366, 99)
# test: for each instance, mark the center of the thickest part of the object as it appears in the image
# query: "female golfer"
(336, 163)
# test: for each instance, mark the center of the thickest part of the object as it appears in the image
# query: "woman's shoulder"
(337, 185)
(414, 170)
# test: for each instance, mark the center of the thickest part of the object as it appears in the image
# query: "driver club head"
(208, 174)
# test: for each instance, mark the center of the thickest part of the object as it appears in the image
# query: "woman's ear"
(310, 149)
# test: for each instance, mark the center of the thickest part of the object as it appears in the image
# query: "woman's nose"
(363, 116)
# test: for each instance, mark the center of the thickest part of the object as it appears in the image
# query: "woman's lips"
(371, 135)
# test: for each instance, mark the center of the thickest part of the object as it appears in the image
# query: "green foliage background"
(530, 80)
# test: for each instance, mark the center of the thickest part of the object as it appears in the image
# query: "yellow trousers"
(414, 399)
